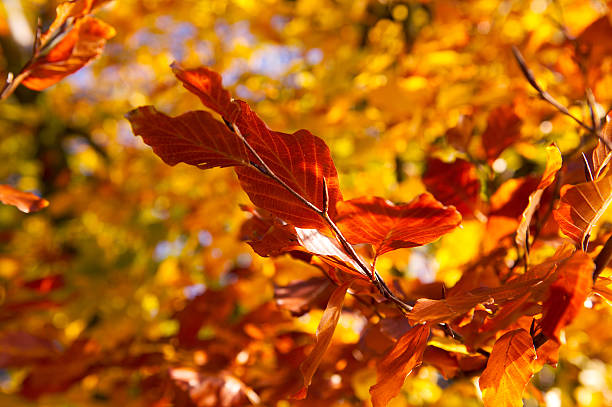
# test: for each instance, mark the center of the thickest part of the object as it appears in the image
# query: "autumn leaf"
(508, 370)
(392, 370)
(194, 138)
(503, 129)
(389, 227)
(567, 294)
(298, 296)
(553, 165)
(80, 45)
(601, 153)
(454, 184)
(301, 161)
(66, 10)
(581, 206)
(24, 201)
(324, 335)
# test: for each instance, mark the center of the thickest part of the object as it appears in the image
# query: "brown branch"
(603, 258)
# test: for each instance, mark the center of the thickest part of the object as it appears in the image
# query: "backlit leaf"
(503, 129)
(388, 226)
(553, 165)
(83, 43)
(601, 153)
(324, 335)
(24, 201)
(454, 184)
(567, 294)
(392, 370)
(508, 370)
(581, 206)
(194, 138)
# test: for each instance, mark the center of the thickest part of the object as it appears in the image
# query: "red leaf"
(46, 284)
(503, 129)
(194, 138)
(581, 206)
(325, 331)
(24, 201)
(508, 370)
(553, 165)
(406, 354)
(298, 296)
(454, 184)
(567, 294)
(388, 227)
(207, 85)
(300, 160)
(81, 44)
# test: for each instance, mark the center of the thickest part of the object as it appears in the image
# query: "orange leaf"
(567, 294)
(553, 165)
(297, 297)
(325, 331)
(64, 11)
(601, 153)
(24, 201)
(508, 370)
(406, 354)
(80, 45)
(388, 227)
(301, 160)
(454, 184)
(194, 138)
(581, 206)
(503, 129)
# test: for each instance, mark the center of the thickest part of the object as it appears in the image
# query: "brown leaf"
(553, 165)
(567, 294)
(194, 138)
(388, 226)
(601, 153)
(80, 45)
(406, 354)
(581, 206)
(64, 11)
(454, 184)
(24, 201)
(325, 331)
(509, 369)
(298, 296)
(503, 129)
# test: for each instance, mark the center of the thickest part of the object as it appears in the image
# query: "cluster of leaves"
(232, 335)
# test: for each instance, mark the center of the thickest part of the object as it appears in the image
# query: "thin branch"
(543, 94)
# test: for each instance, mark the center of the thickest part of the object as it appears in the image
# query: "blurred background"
(133, 286)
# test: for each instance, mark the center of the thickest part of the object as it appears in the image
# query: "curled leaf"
(388, 226)
(581, 206)
(80, 45)
(325, 331)
(601, 153)
(24, 201)
(406, 354)
(553, 165)
(508, 370)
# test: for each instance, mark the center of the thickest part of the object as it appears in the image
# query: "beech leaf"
(324, 335)
(601, 153)
(503, 129)
(581, 206)
(553, 165)
(567, 293)
(194, 138)
(80, 45)
(509, 369)
(300, 160)
(406, 354)
(24, 201)
(388, 226)
(454, 184)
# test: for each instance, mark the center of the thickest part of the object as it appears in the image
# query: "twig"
(543, 94)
